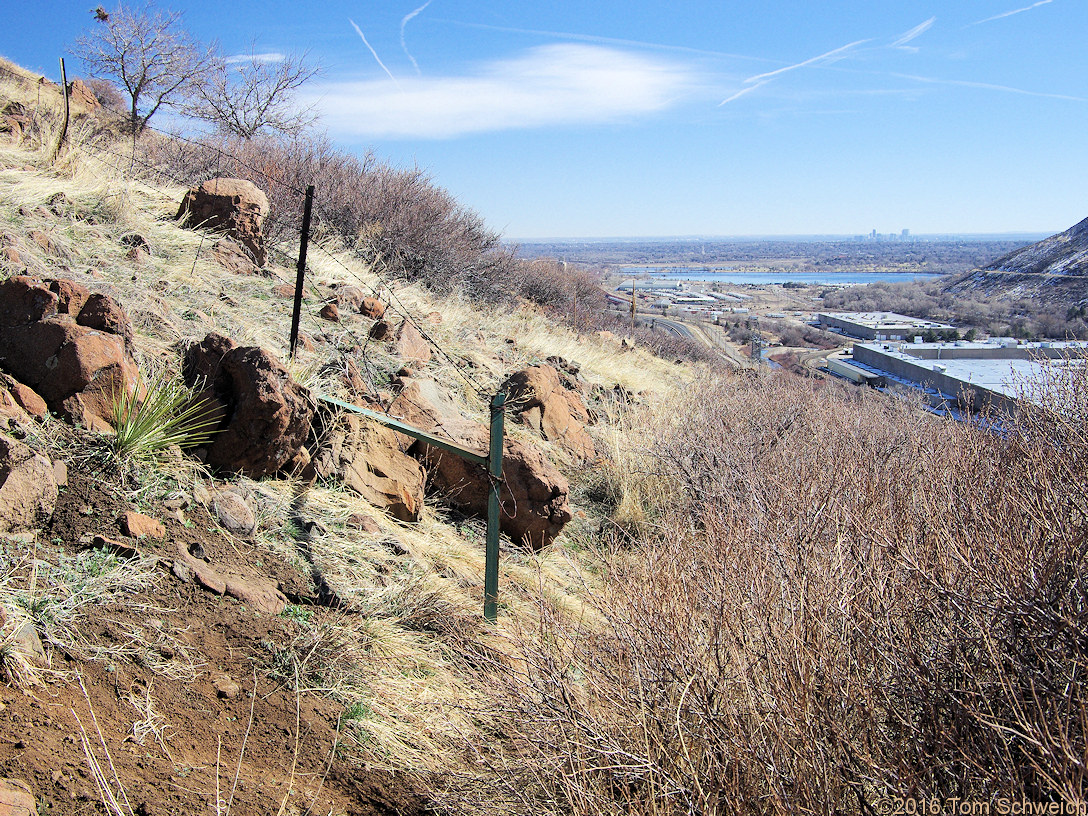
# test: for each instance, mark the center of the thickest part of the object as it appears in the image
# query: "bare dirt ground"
(182, 697)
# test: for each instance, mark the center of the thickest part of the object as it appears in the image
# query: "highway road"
(673, 327)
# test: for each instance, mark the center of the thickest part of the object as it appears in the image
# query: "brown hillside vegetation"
(1054, 270)
(774, 594)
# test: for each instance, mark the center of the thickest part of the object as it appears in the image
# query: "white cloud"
(271, 56)
(545, 86)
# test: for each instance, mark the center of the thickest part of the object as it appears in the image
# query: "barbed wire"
(393, 300)
(401, 310)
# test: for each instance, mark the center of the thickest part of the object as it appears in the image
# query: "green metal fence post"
(494, 469)
(492, 462)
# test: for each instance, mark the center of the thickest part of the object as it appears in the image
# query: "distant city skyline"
(690, 118)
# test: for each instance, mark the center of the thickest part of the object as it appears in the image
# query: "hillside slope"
(1063, 254)
(776, 595)
(133, 684)
(1055, 268)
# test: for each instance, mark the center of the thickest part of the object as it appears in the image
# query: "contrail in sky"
(987, 86)
(1014, 11)
(742, 92)
(917, 31)
(811, 61)
(592, 38)
(362, 36)
(760, 80)
(403, 23)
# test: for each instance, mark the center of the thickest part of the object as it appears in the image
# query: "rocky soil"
(184, 693)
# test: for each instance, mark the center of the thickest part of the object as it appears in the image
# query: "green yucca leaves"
(169, 414)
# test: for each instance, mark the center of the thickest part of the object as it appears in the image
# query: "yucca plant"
(166, 414)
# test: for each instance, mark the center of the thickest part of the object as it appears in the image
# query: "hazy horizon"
(795, 237)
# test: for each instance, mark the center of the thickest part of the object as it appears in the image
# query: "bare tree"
(149, 54)
(247, 95)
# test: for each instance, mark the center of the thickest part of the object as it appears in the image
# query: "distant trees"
(157, 63)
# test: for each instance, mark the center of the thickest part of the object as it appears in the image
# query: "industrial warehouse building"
(880, 325)
(961, 374)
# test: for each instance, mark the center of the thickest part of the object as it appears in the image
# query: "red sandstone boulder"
(235, 257)
(28, 487)
(266, 415)
(410, 344)
(16, 797)
(18, 400)
(382, 330)
(372, 308)
(14, 119)
(68, 345)
(137, 525)
(105, 314)
(534, 495)
(355, 299)
(537, 397)
(234, 206)
(80, 94)
(368, 458)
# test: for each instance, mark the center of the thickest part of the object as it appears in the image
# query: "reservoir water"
(727, 275)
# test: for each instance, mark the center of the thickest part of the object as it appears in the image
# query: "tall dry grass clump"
(851, 602)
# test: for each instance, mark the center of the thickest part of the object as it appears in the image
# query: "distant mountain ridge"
(1063, 254)
(1054, 269)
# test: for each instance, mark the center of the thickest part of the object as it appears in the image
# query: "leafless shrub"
(793, 334)
(254, 94)
(148, 52)
(109, 96)
(854, 602)
(396, 218)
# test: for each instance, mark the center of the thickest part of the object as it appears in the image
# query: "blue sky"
(567, 119)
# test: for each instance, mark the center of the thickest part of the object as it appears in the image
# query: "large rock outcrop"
(537, 397)
(79, 94)
(70, 346)
(534, 495)
(265, 416)
(368, 458)
(234, 206)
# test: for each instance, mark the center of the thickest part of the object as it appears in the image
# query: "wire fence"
(124, 156)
